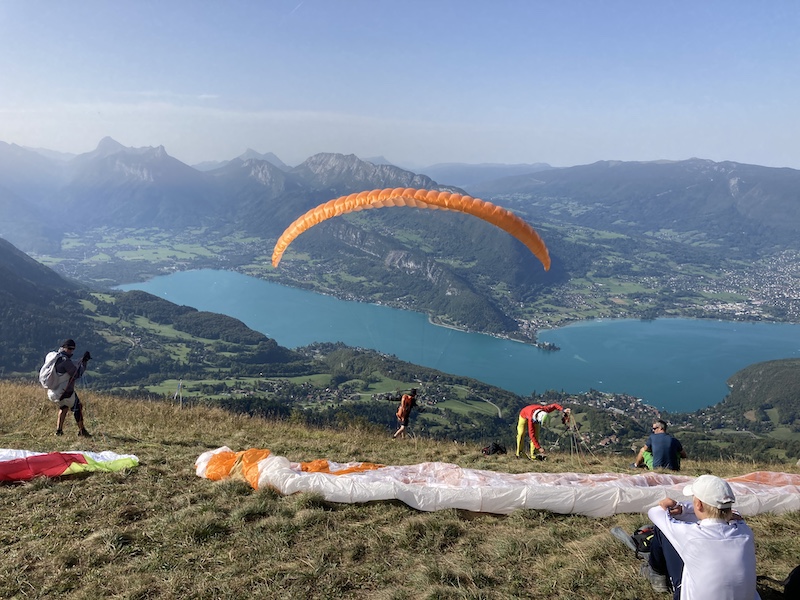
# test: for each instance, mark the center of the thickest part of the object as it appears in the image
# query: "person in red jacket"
(407, 402)
(532, 417)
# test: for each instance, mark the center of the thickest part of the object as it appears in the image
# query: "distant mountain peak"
(379, 160)
(347, 171)
(269, 157)
(466, 175)
(262, 170)
(108, 145)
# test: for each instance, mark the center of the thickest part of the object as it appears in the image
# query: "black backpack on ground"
(642, 538)
(494, 448)
(638, 541)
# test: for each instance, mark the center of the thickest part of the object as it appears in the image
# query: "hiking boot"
(59, 432)
(657, 581)
(84, 433)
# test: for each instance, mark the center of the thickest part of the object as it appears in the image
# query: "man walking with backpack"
(407, 402)
(67, 371)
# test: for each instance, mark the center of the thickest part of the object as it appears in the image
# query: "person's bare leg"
(62, 414)
(640, 457)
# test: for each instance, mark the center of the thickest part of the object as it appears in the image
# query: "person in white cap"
(702, 547)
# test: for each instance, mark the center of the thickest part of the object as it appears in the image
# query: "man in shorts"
(407, 402)
(661, 450)
(69, 370)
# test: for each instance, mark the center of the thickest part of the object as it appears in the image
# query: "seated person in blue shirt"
(661, 450)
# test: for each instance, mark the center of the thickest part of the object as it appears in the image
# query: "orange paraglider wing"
(416, 198)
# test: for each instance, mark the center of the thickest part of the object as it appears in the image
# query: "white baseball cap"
(711, 490)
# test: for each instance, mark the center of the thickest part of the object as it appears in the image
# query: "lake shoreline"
(676, 364)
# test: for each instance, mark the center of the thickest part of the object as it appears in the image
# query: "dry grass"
(159, 531)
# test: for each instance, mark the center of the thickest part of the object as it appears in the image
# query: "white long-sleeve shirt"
(719, 557)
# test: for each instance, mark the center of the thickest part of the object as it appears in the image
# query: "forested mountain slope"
(748, 208)
(765, 387)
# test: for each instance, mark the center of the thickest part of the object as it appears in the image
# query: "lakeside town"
(766, 291)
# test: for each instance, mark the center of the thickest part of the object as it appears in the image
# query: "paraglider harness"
(640, 541)
(642, 538)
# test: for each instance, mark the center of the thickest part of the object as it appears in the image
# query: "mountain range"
(43, 195)
(745, 207)
(442, 264)
(113, 186)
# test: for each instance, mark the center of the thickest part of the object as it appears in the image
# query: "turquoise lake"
(674, 364)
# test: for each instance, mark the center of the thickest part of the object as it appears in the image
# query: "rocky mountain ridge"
(114, 185)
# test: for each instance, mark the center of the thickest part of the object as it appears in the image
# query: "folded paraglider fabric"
(23, 465)
(434, 486)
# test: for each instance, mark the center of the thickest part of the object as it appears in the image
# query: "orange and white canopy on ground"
(434, 486)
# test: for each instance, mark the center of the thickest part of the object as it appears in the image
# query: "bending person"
(532, 417)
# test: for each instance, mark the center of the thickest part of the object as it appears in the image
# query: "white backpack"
(55, 383)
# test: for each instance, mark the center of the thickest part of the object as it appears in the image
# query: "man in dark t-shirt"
(661, 450)
(69, 370)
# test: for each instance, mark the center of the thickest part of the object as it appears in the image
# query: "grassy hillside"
(159, 531)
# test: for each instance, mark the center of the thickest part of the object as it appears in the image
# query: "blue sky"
(419, 82)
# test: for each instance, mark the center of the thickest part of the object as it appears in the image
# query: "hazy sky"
(419, 82)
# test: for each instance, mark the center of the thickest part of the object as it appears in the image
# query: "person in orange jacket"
(533, 417)
(407, 402)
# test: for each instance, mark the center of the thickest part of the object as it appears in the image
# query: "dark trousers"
(664, 559)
